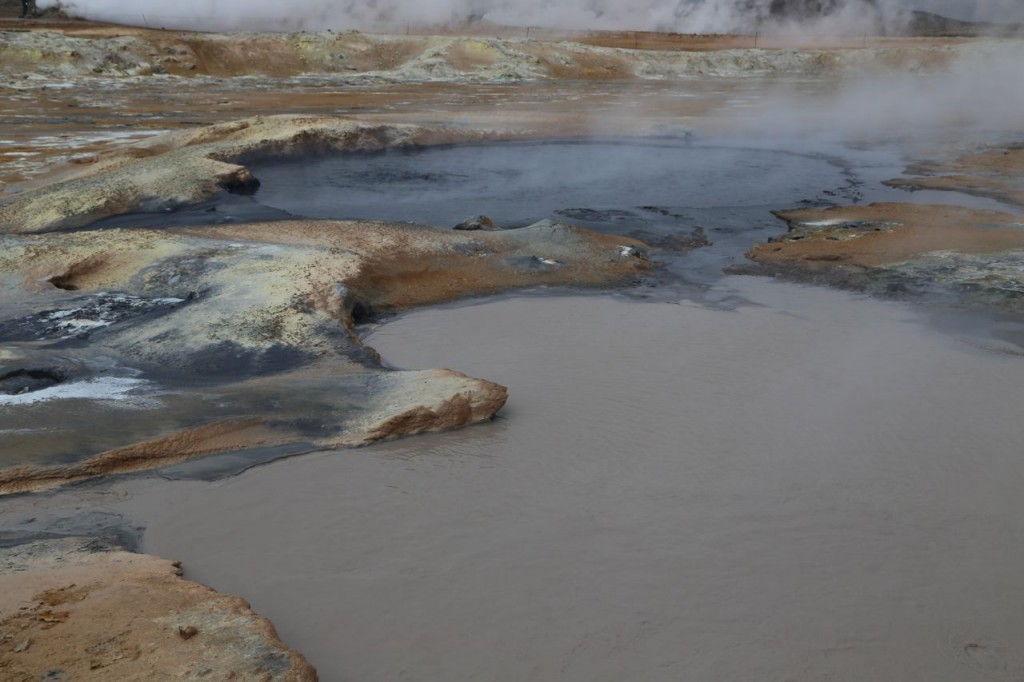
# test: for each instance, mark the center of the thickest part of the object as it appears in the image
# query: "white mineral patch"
(78, 325)
(121, 389)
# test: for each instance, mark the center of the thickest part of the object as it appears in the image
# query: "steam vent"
(476, 340)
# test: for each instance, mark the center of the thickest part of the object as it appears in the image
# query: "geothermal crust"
(259, 316)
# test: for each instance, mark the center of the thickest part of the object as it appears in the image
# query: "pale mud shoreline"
(625, 517)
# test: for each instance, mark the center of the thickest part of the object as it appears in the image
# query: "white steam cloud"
(684, 16)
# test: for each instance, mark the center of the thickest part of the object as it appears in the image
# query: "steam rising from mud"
(685, 16)
(982, 90)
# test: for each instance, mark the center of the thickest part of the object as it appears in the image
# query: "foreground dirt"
(72, 609)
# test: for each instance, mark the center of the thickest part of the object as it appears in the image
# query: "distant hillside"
(928, 24)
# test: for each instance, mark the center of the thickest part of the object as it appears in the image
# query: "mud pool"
(813, 485)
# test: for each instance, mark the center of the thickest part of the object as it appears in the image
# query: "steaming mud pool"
(767, 481)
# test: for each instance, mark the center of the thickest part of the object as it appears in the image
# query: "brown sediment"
(76, 275)
(403, 266)
(1001, 162)
(999, 189)
(569, 63)
(460, 75)
(453, 413)
(71, 610)
(382, 265)
(886, 233)
(652, 40)
(638, 40)
(398, 281)
(993, 173)
(457, 54)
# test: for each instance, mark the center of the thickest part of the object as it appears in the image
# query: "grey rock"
(477, 222)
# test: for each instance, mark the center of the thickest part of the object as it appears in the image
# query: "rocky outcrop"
(78, 609)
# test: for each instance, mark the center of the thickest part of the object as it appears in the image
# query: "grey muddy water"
(813, 485)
